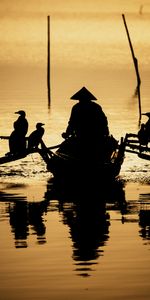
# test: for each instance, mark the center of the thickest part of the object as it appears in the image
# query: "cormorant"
(17, 140)
(35, 137)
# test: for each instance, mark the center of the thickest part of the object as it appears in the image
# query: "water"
(54, 243)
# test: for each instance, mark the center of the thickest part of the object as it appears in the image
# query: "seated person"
(87, 124)
(144, 132)
(142, 135)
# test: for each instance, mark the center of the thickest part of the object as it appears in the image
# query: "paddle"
(54, 147)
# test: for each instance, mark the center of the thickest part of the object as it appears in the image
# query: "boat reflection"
(89, 231)
(85, 213)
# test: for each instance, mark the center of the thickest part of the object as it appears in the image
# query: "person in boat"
(144, 132)
(17, 140)
(147, 124)
(35, 138)
(88, 125)
(142, 135)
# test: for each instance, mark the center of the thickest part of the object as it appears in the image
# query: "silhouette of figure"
(87, 123)
(144, 223)
(147, 124)
(35, 137)
(144, 132)
(23, 215)
(142, 135)
(17, 141)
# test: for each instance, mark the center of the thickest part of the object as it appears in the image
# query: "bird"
(35, 137)
(17, 141)
(21, 124)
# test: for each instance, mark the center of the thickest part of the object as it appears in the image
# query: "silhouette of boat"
(68, 165)
(61, 164)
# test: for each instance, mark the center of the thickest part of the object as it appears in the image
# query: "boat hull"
(63, 166)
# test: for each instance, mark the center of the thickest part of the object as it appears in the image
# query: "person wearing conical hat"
(87, 122)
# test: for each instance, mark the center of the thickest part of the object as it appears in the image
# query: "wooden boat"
(62, 164)
(67, 164)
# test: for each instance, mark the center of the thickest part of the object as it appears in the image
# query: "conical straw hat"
(83, 94)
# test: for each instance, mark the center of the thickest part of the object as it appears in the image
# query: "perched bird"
(21, 124)
(35, 137)
(17, 141)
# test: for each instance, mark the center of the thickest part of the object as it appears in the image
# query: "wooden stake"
(48, 61)
(135, 61)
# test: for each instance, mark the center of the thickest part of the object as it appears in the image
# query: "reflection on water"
(25, 218)
(85, 212)
(88, 214)
(144, 222)
(89, 231)
(144, 217)
(24, 215)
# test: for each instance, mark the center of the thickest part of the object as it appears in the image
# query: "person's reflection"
(144, 216)
(89, 230)
(26, 216)
(88, 220)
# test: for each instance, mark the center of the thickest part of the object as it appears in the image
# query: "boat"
(64, 164)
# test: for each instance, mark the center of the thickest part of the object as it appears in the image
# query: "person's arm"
(70, 127)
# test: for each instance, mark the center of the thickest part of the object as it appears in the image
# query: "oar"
(54, 147)
(48, 149)
(135, 61)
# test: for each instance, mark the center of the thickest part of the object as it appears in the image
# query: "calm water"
(60, 243)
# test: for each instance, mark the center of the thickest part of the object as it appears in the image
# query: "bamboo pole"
(48, 61)
(135, 61)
